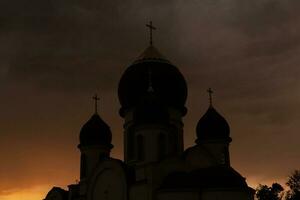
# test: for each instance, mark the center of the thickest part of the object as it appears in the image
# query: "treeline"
(277, 192)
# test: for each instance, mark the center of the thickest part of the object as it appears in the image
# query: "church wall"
(173, 135)
(128, 138)
(140, 173)
(218, 151)
(226, 195)
(206, 194)
(148, 145)
(139, 192)
(176, 120)
(92, 157)
(151, 145)
(199, 157)
(178, 195)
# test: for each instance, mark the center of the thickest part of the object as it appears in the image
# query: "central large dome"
(167, 82)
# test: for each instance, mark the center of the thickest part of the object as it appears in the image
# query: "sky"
(55, 55)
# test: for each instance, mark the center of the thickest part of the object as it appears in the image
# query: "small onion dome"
(150, 110)
(212, 126)
(95, 132)
(169, 84)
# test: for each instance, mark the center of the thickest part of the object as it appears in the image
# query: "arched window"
(83, 166)
(140, 148)
(162, 145)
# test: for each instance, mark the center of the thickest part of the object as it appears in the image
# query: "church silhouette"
(152, 93)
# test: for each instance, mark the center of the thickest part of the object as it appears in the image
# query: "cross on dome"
(96, 99)
(151, 27)
(210, 92)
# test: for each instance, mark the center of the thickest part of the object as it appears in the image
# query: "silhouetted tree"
(264, 192)
(294, 185)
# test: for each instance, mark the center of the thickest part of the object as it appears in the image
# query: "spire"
(150, 87)
(210, 92)
(96, 99)
(150, 30)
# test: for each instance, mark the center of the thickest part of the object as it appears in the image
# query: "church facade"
(152, 93)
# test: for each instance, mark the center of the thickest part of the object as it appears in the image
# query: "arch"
(108, 179)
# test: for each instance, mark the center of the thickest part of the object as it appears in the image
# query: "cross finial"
(151, 27)
(210, 92)
(96, 99)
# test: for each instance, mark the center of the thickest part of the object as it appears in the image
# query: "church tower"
(213, 135)
(95, 145)
(152, 93)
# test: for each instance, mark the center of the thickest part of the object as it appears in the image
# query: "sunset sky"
(55, 54)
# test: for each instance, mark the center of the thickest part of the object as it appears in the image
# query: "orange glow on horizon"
(34, 193)
(40, 192)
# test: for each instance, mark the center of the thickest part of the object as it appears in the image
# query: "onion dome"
(57, 193)
(95, 132)
(212, 126)
(169, 84)
(150, 110)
